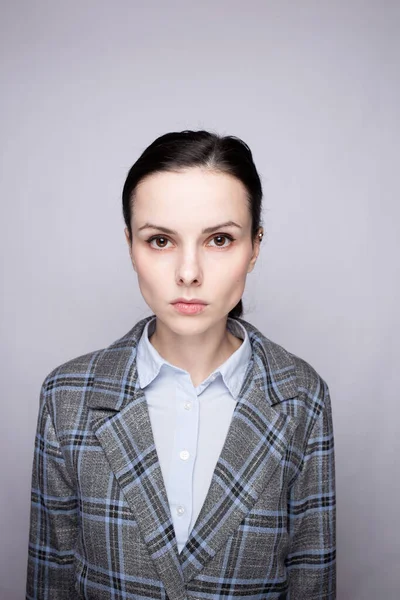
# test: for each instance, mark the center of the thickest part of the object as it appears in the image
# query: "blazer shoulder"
(308, 379)
(79, 366)
(85, 364)
(311, 392)
(309, 385)
(288, 376)
(65, 391)
(281, 360)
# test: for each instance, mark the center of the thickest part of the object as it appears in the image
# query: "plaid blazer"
(101, 526)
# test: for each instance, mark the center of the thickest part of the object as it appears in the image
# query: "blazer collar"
(257, 439)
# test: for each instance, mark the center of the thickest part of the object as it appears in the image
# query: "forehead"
(188, 195)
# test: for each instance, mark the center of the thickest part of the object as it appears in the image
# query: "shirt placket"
(183, 458)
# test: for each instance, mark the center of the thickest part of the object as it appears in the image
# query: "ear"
(128, 240)
(256, 249)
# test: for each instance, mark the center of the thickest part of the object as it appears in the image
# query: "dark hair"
(180, 150)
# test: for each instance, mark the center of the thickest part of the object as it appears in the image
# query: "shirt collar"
(232, 371)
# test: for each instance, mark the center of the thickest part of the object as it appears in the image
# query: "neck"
(199, 354)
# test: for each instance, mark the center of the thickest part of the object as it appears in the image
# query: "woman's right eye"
(160, 240)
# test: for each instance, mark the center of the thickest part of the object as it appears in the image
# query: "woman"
(192, 458)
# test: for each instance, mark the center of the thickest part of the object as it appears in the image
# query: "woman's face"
(191, 238)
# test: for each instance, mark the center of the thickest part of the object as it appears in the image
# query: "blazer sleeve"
(311, 561)
(53, 517)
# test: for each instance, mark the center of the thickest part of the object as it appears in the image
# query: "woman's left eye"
(220, 239)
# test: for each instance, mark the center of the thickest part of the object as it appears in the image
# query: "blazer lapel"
(256, 442)
(121, 422)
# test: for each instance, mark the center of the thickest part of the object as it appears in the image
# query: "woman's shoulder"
(83, 367)
(67, 387)
(284, 365)
(292, 386)
(73, 370)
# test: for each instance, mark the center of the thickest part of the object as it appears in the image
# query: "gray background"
(313, 88)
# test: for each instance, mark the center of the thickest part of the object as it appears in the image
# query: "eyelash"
(163, 237)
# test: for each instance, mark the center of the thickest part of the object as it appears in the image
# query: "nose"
(189, 271)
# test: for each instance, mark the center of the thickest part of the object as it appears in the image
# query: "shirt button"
(184, 454)
(180, 510)
(188, 405)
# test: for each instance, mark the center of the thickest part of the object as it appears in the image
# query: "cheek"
(142, 260)
(150, 271)
(234, 270)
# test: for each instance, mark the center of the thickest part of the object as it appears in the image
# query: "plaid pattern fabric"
(100, 521)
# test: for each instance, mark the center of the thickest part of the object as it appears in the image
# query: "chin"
(187, 325)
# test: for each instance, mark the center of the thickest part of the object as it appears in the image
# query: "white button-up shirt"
(189, 423)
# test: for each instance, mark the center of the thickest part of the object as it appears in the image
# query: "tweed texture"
(101, 527)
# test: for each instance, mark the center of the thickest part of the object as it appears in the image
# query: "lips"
(186, 301)
(192, 306)
(189, 308)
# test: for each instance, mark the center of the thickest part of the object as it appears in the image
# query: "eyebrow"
(206, 230)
